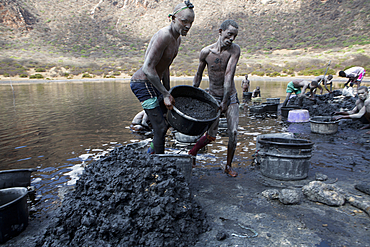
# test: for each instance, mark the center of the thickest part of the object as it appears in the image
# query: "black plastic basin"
(187, 124)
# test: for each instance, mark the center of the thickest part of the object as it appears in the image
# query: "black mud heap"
(127, 199)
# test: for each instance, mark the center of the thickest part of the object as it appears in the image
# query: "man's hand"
(169, 101)
(223, 107)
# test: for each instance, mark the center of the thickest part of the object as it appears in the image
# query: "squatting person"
(221, 59)
(361, 110)
(146, 82)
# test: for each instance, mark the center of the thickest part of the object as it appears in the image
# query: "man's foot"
(230, 172)
(366, 127)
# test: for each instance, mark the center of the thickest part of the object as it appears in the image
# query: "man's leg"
(159, 128)
(206, 139)
(232, 116)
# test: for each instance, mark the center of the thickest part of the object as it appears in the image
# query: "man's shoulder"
(164, 34)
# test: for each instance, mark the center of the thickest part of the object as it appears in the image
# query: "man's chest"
(217, 62)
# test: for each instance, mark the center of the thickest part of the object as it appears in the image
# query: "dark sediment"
(327, 105)
(127, 199)
(195, 108)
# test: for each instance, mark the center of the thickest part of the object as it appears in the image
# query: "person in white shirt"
(354, 75)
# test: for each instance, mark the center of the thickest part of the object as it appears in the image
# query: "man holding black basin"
(146, 82)
(221, 59)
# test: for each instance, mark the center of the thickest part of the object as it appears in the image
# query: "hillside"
(109, 37)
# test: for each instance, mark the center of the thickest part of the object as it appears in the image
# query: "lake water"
(59, 127)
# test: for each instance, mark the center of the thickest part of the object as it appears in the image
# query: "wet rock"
(289, 196)
(271, 194)
(221, 235)
(363, 205)
(325, 193)
(320, 177)
(365, 188)
(127, 199)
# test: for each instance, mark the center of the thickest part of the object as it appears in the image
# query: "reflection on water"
(59, 128)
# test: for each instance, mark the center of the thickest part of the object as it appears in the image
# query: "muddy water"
(59, 128)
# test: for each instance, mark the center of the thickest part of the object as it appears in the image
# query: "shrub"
(259, 73)
(117, 73)
(23, 75)
(36, 76)
(40, 70)
(86, 75)
(6, 75)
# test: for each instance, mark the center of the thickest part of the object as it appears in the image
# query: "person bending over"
(299, 86)
(354, 75)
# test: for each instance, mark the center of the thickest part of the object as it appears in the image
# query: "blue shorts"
(146, 93)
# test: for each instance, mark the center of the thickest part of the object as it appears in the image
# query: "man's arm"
(305, 86)
(166, 79)
(202, 65)
(152, 58)
(326, 85)
(229, 76)
(346, 113)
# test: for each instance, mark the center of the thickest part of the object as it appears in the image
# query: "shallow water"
(59, 128)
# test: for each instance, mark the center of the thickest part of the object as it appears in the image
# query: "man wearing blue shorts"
(299, 86)
(146, 82)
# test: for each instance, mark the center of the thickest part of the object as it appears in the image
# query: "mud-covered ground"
(239, 215)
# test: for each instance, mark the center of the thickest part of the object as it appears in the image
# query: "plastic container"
(257, 109)
(271, 107)
(13, 212)
(183, 162)
(273, 100)
(186, 124)
(16, 178)
(298, 116)
(324, 125)
(180, 137)
(284, 158)
(247, 96)
(285, 110)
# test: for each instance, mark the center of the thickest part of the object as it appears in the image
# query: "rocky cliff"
(121, 29)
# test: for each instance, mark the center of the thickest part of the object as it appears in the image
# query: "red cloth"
(202, 142)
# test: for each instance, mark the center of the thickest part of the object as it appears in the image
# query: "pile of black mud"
(127, 199)
(326, 104)
(195, 108)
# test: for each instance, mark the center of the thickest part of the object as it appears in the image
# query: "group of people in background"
(151, 83)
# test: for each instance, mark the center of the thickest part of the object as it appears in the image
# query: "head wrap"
(189, 5)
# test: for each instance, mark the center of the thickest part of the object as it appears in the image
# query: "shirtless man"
(146, 82)
(327, 81)
(299, 86)
(354, 75)
(245, 87)
(362, 108)
(221, 59)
